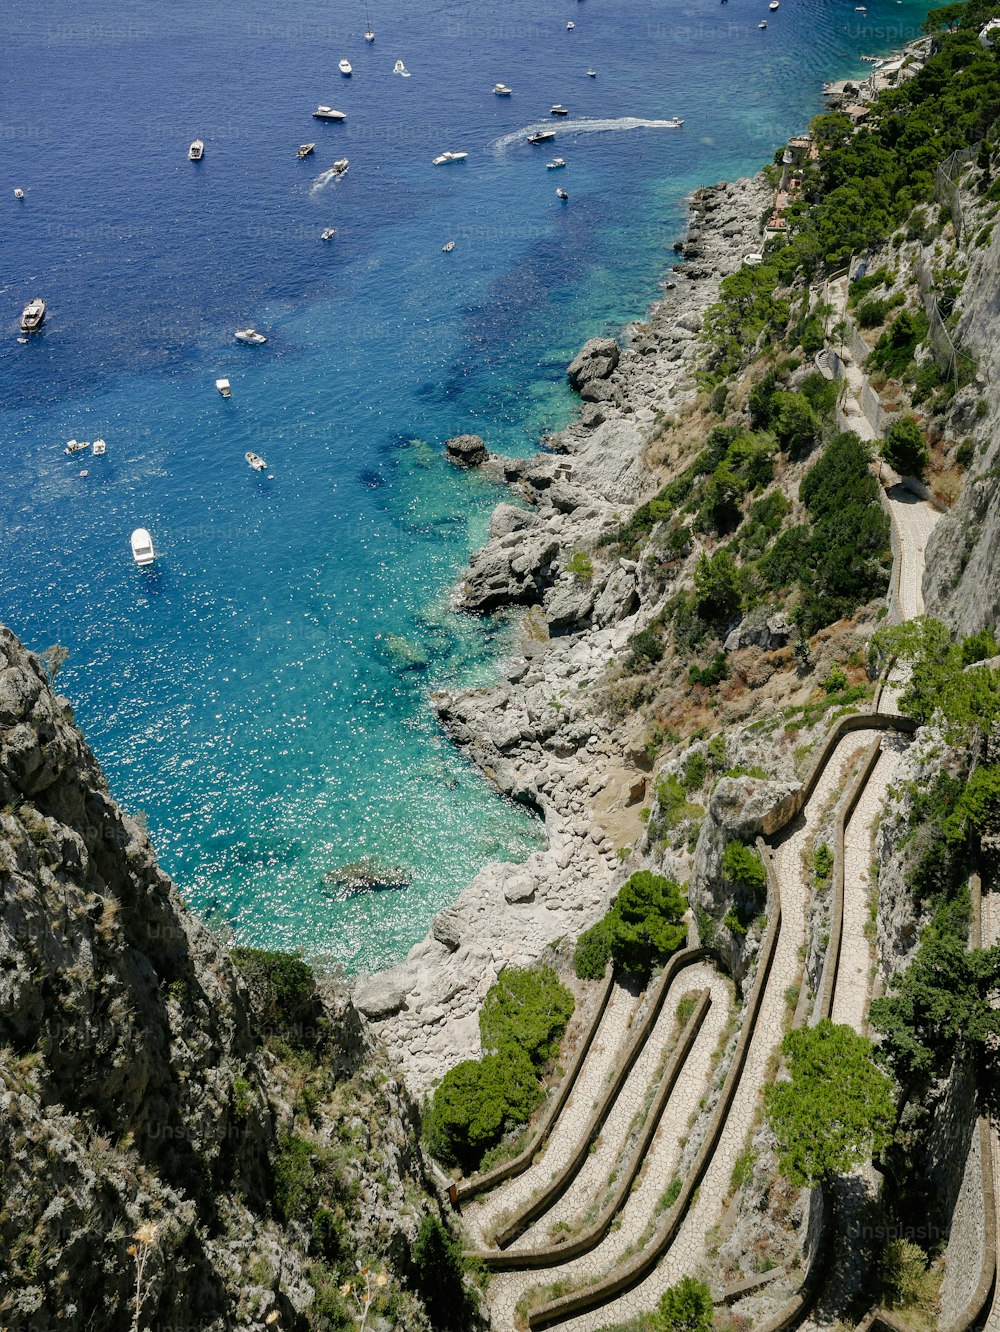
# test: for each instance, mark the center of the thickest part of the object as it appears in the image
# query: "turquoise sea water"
(249, 693)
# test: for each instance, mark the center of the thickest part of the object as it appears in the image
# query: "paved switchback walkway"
(611, 1038)
(687, 1252)
(662, 1160)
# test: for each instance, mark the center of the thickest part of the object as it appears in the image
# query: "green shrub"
(685, 1307)
(744, 869)
(477, 1102)
(712, 674)
(872, 312)
(822, 863)
(896, 347)
(695, 771)
(903, 1277)
(526, 1009)
(716, 586)
(581, 566)
(283, 994)
(646, 649)
(836, 679)
(794, 423)
(593, 952)
(646, 923)
(904, 447)
(294, 1177)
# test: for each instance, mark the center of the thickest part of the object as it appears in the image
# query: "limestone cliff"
(142, 1124)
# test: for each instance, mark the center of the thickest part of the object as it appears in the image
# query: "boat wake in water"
(501, 145)
(322, 181)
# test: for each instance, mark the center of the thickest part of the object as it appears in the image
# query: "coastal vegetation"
(641, 929)
(480, 1100)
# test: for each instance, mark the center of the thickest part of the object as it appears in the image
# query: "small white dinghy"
(345, 68)
(98, 448)
(256, 461)
(18, 194)
(142, 547)
(400, 68)
(224, 387)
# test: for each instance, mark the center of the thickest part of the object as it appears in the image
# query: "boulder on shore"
(467, 450)
(596, 359)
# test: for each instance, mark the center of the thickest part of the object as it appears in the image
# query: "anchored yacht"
(250, 336)
(142, 547)
(32, 316)
(443, 158)
(328, 113)
(305, 149)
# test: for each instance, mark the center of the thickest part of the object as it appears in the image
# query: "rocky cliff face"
(960, 585)
(139, 1118)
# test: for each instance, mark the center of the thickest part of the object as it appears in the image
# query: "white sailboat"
(369, 30)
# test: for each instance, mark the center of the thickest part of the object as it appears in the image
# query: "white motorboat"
(570, 26)
(773, 4)
(591, 73)
(256, 461)
(19, 194)
(328, 113)
(443, 158)
(558, 110)
(556, 163)
(98, 448)
(448, 246)
(197, 151)
(400, 68)
(339, 167)
(345, 67)
(32, 316)
(142, 547)
(250, 336)
(224, 387)
(674, 122)
(563, 194)
(305, 149)
(541, 136)
(502, 90)
(762, 24)
(75, 446)
(328, 234)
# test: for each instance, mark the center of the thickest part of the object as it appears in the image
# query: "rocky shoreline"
(538, 733)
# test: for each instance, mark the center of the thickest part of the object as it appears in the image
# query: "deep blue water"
(243, 694)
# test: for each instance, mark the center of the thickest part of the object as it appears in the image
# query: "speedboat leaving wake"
(323, 180)
(506, 141)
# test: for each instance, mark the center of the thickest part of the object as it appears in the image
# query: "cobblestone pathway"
(662, 1159)
(687, 1252)
(611, 1038)
(850, 997)
(914, 519)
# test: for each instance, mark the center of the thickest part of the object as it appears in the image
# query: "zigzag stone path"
(610, 1040)
(914, 520)
(687, 1253)
(854, 971)
(662, 1160)
(590, 1184)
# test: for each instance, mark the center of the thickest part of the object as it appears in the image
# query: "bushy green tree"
(716, 587)
(685, 1307)
(836, 1108)
(646, 923)
(794, 423)
(527, 1008)
(904, 447)
(476, 1102)
(941, 1006)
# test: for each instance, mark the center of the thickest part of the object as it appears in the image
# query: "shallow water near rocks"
(260, 694)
